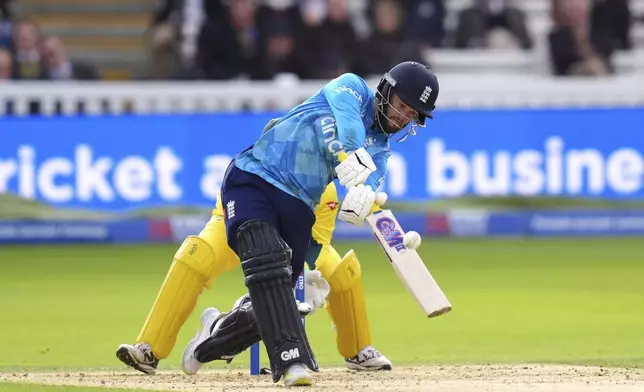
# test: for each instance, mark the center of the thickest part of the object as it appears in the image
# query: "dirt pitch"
(523, 378)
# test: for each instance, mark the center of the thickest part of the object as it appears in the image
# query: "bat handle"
(341, 157)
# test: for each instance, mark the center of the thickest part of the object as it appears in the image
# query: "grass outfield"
(575, 301)
(17, 387)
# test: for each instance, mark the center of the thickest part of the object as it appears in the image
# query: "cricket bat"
(407, 264)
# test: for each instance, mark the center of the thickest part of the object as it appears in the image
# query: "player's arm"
(346, 95)
(380, 160)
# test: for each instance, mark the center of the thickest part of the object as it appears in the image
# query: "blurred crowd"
(26, 54)
(322, 38)
(311, 39)
(586, 34)
(319, 39)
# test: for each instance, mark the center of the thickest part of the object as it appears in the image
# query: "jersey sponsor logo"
(332, 205)
(347, 89)
(330, 133)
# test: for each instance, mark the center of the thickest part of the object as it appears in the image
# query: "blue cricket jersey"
(299, 153)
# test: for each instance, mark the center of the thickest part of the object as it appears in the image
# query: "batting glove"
(357, 204)
(356, 168)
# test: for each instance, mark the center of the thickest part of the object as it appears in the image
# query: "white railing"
(457, 91)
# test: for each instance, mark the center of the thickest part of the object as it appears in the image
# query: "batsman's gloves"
(316, 289)
(356, 206)
(355, 169)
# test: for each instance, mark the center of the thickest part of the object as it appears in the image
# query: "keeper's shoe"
(368, 359)
(138, 356)
(189, 363)
(297, 375)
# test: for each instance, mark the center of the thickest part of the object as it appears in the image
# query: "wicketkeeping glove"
(316, 289)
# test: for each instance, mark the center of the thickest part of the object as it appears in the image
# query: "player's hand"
(316, 289)
(355, 169)
(357, 205)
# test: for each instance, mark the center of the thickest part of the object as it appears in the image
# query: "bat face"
(408, 265)
(390, 232)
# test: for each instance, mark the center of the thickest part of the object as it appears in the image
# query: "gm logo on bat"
(393, 236)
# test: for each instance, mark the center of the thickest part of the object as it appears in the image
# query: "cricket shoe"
(138, 356)
(297, 375)
(368, 359)
(189, 363)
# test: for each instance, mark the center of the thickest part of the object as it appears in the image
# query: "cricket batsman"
(272, 188)
(270, 192)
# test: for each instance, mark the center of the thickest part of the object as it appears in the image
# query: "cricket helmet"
(416, 85)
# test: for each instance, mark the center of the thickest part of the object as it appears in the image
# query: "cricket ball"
(411, 240)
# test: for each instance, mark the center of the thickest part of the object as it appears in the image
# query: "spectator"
(6, 34)
(26, 38)
(5, 10)
(313, 12)
(339, 30)
(6, 26)
(476, 23)
(6, 65)
(175, 11)
(280, 52)
(328, 40)
(571, 50)
(164, 44)
(319, 61)
(426, 22)
(386, 45)
(58, 66)
(610, 25)
(174, 33)
(231, 47)
(311, 40)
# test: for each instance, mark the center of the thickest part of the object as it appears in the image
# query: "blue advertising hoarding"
(465, 223)
(127, 162)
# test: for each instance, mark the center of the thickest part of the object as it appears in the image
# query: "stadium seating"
(111, 34)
